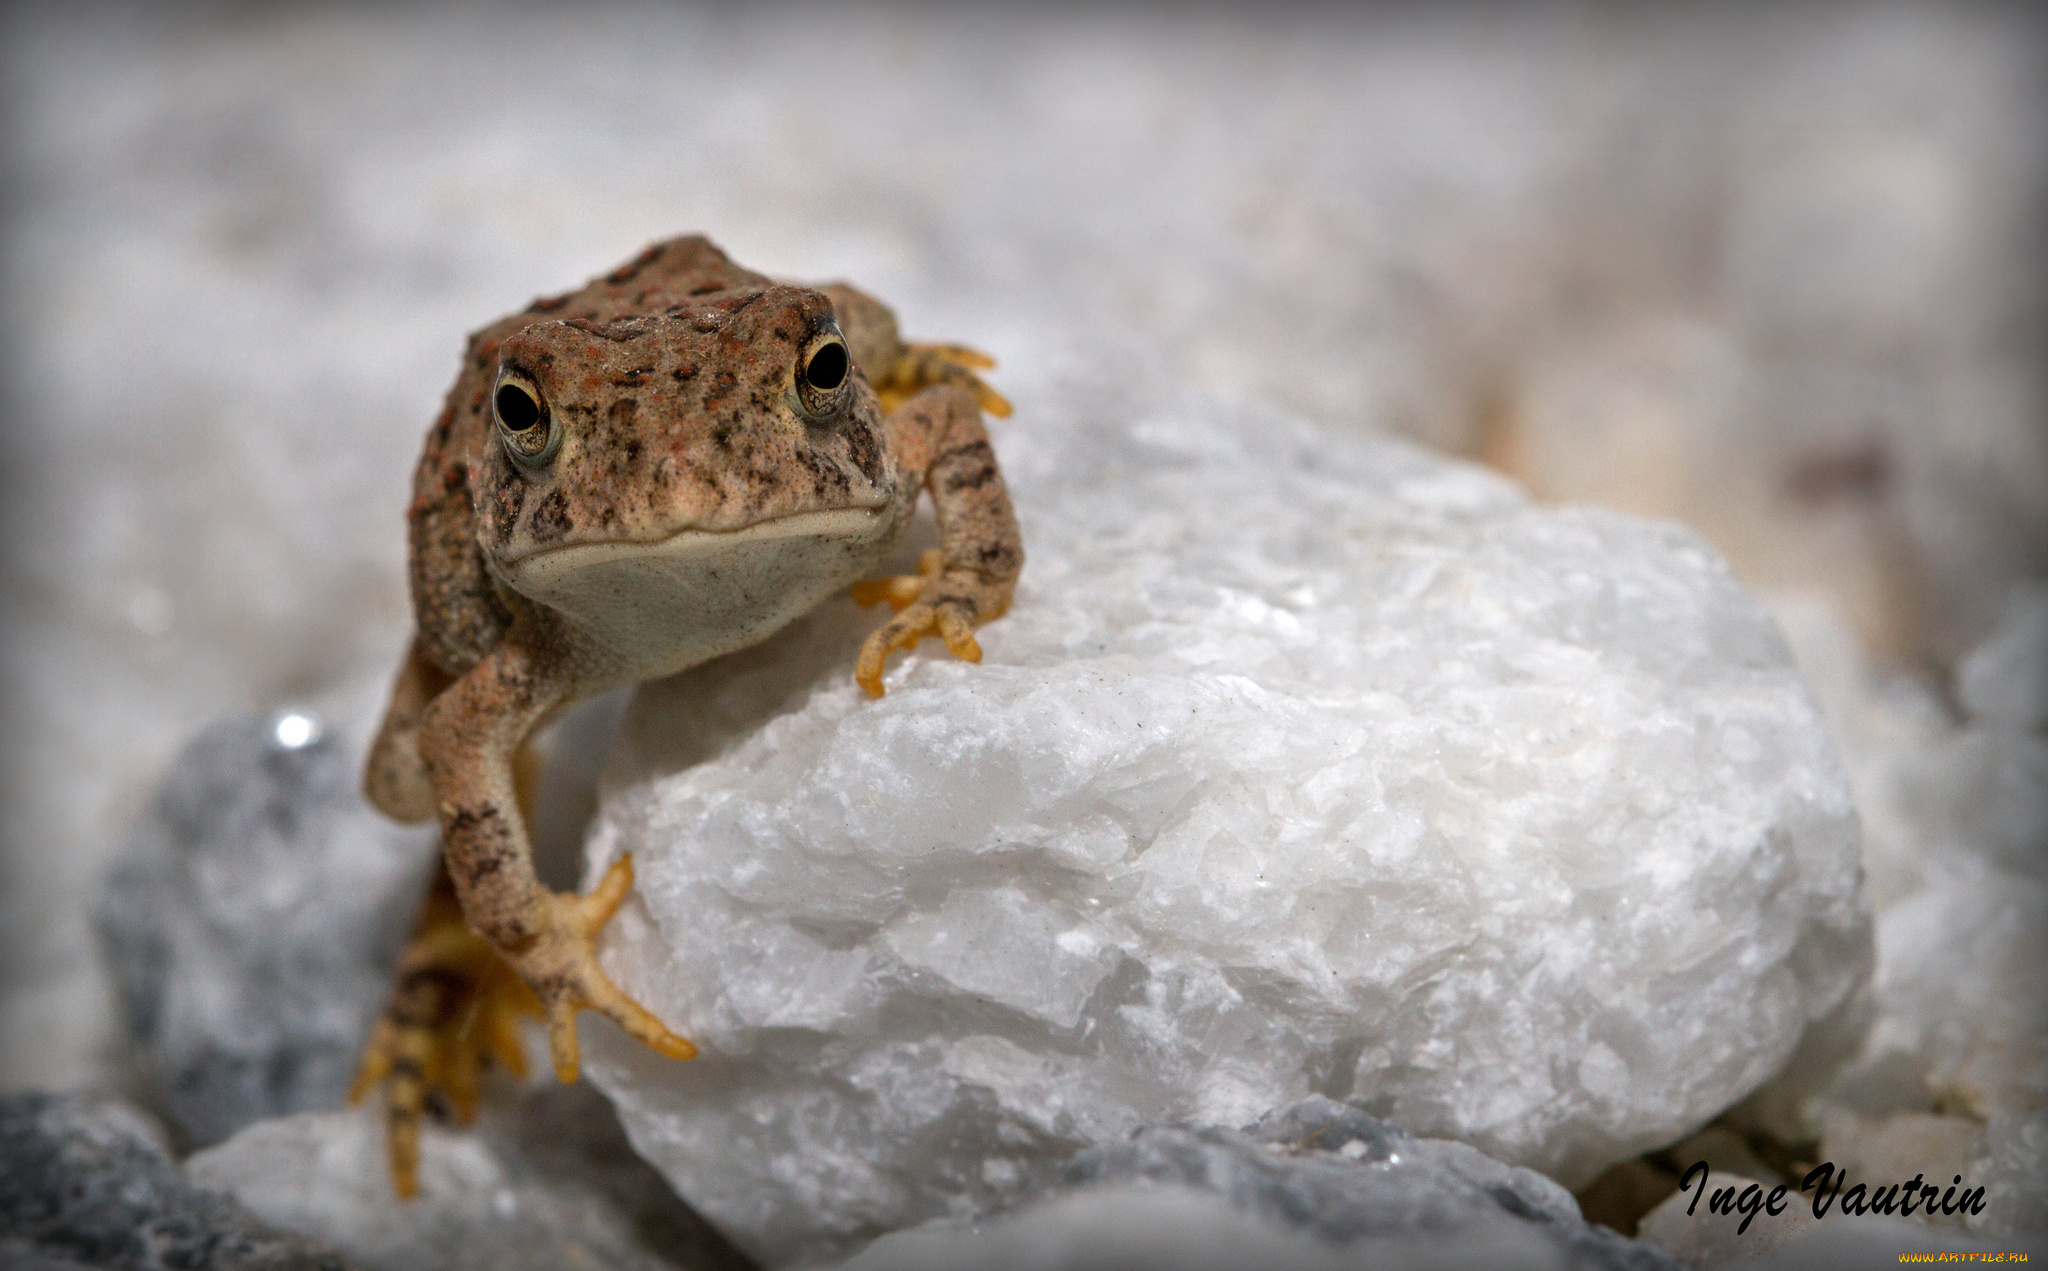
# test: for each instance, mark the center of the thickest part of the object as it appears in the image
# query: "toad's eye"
(524, 421)
(827, 368)
(823, 376)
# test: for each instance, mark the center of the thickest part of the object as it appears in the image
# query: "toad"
(628, 480)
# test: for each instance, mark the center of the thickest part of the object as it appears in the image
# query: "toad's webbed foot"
(948, 603)
(458, 1002)
(561, 967)
(455, 1006)
(922, 365)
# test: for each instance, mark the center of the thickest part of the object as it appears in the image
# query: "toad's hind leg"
(455, 1006)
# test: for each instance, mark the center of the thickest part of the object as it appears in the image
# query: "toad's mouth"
(692, 544)
(654, 608)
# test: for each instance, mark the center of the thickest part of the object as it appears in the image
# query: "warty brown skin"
(672, 382)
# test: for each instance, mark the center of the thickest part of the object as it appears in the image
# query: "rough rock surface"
(1303, 764)
(545, 1180)
(1325, 1184)
(88, 1184)
(253, 918)
(1952, 1075)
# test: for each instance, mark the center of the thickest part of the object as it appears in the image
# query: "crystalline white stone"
(543, 1181)
(2005, 679)
(1302, 763)
(1953, 1069)
(1315, 1185)
(1956, 846)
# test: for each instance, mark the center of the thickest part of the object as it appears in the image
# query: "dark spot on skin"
(626, 272)
(468, 820)
(704, 323)
(866, 454)
(724, 382)
(1828, 476)
(456, 478)
(740, 303)
(507, 501)
(510, 936)
(476, 403)
(634, 378)
(707, 289)
(632, 450)
(622, 412)
(824, 473)
(684, 373)
(721, 436)
(785, 335)
(618, 330)
(971, 479)
(550, 519)
(551, 304)
(975, 448)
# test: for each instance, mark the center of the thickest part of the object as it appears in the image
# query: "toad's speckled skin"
(697, 489)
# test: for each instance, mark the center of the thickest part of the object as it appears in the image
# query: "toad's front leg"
(972, 575)
(468, 737)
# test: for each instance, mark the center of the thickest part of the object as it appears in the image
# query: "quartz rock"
(88, 1183)
(1954, 1065)
(1303, 764)
(2014, 1173)
(545, 1180)
(1315, 1184)
(254, 917)
(2004, 681)
(1696, 1235)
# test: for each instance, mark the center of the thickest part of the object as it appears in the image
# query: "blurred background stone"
(545, 1180)
(89, 1183)
(253, 920)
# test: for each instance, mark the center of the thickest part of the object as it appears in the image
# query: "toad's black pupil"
(517, 408)
(827, 368)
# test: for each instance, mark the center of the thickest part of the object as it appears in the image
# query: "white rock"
(1685, 1224)
(2004, 681)
(543, 1181)
(1955, 815)
(2015, 1176)
(1162, 1227)
(1301, 764)
(1313, 1185)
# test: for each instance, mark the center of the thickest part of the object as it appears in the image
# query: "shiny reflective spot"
(295, 730)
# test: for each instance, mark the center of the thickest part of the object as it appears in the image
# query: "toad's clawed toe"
(923, 365)
(564, 972)
(455, 1007)
(929, 604)
(458, 1003)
